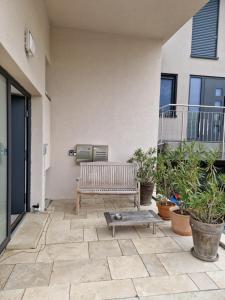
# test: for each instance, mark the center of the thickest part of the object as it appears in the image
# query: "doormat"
(29, 231)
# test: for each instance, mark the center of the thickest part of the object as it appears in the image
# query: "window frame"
(217, 38)
(174, 78)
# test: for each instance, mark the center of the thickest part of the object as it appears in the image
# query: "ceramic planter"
(206, 239)
(146, 193)
(180, 223)
(164, 210)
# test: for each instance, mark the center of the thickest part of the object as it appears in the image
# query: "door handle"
(3, 150)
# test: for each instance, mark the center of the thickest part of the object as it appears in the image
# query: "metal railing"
(202, 123)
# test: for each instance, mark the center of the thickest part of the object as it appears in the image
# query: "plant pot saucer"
(204, 258)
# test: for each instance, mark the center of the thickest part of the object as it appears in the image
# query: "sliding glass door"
(3, 160)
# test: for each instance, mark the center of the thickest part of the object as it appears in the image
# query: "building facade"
(193, 73)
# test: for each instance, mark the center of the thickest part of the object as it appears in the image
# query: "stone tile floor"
(77, 258)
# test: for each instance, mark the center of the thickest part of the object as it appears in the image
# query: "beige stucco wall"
(15, 17)
(176, 57)
(105, 90)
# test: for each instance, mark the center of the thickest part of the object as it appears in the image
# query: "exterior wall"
(176, 57)
(15, 17)
(105, 90)
(176, 60)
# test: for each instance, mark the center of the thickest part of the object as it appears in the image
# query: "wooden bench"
(106, 178)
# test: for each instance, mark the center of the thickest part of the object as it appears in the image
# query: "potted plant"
(164, 205)
(186, 181)
(207, 210)
(146, 170)
(164, 172)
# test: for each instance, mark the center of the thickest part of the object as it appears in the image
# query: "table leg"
(154, 228)
(149, 225)
(113, 231)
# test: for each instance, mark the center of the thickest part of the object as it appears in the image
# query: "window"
(205, 31)
(168, 91)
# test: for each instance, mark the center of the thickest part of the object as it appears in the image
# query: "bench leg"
(77, 203)
(139, 201)
(113, 231)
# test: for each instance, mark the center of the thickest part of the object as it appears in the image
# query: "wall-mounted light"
(29, 43)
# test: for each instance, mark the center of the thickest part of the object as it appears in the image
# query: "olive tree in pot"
(186, 181)
(207, 210)
(146, 170)
(164, 189)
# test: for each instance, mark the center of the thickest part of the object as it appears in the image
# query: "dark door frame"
(11, 81)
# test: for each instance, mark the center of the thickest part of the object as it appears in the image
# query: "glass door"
(3, 160)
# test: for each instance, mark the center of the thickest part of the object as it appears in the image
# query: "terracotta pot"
(146, 193)
(206, 239)
(180, 223)
(164, 210)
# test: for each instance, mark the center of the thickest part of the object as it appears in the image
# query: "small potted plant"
(207, 210)
(164, 172)
(146, 170)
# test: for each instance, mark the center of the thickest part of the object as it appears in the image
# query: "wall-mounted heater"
(89, 153)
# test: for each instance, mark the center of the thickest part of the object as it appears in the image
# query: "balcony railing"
(200, 123)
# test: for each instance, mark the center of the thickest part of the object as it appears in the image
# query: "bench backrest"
(108, 175)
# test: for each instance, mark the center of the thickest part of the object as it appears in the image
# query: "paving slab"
(218, 277)
(28, 232)
(5, 271)
(12, 294)
(118, 289)
(29, 275)
(153, 265)
(164, 285)
(56, 292)
(156, 245)
(103, 249)
(127, 247)
(79, 271)
(184, 262)
(203, 281)
(67, 251)
(127, 267)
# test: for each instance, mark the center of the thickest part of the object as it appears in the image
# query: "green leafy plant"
(164, 174)
(146, 165)
(187, 173)
(208, 205)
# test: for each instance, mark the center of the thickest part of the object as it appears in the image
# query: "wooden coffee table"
(132, 218)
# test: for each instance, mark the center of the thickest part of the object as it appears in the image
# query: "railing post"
(223, 148)
(182, 126)
(162, 117)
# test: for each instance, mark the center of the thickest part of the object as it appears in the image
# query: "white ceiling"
(157, 19)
